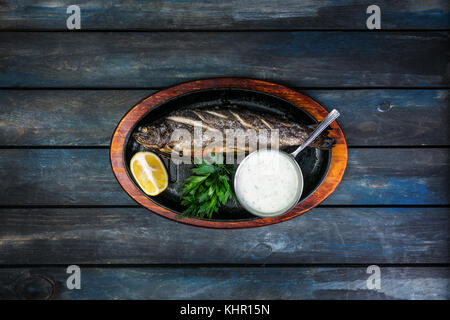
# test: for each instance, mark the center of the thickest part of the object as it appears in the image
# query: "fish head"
(150, 137)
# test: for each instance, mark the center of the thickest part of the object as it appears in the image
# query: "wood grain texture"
(136, 236)
(84, 177)
(223, 15)
(132, 60)
(159, 59)
(88, 117)
(331, 180)
(226, 283)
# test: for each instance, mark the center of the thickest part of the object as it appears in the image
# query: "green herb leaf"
(208, 188)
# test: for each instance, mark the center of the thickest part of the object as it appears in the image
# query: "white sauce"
(268, 182)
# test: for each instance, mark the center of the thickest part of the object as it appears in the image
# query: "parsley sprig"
(208, 188)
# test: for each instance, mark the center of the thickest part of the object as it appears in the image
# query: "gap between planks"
(223, 30)
(368, 206)
(331, 88)
(232, 265)
(107, 147)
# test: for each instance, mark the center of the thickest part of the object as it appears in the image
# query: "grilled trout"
(168, 134)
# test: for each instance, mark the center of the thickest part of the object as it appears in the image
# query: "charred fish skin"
(158, 135)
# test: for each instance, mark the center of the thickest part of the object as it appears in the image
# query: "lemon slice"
(149, 172)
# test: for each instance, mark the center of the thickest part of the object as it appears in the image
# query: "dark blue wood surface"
(248, 283)
(325, 235)
(371, 117)
(62, 94)
(381, 176)
(159, 59)
(224, 15)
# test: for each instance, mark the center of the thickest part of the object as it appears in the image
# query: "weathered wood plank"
(219, 15)
(63, 117)
(84, 177)
(88, 117)
(389, 176)
(134, 235)
(226, 283)
(298, 59)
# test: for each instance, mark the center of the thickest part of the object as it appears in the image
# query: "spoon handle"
(322, 126)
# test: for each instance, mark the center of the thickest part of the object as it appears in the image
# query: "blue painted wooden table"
(63, 92)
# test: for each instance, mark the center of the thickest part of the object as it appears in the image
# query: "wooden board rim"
(334, 176)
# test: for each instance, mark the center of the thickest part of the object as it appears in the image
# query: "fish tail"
(327, 144)
(322, 142)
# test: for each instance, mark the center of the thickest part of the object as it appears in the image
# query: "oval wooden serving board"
(325, 168)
